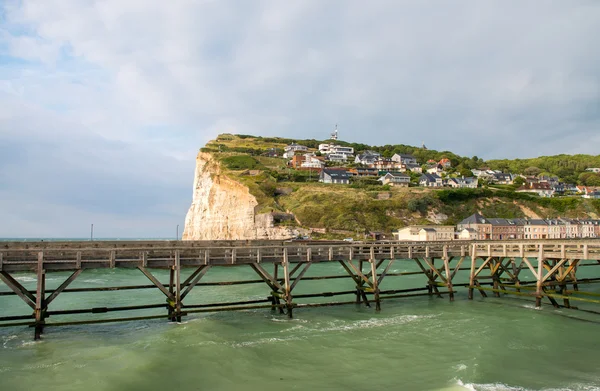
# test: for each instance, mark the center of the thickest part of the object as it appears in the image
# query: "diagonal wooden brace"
(62, 287)
(16, 287)
(157, 283)
(198, 274)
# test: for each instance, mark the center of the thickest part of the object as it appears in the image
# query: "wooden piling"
(40, 309)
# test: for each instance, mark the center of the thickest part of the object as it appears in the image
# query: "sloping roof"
(428, 230)
(430, 177)
(336, 174)
(475, 218)
(536, 222)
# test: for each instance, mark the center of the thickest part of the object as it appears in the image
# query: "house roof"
(430, 177)
(475, 218)
(428, 230)
(535, 186)
(336, 173)
(404, 155)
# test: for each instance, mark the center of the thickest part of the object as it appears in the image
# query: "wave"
(505, 387)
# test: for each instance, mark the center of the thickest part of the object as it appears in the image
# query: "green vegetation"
(241, 162)
(568, 168)
(367, 205)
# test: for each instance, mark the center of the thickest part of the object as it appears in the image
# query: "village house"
(437, 169)
(594, 195)
(594, 169)
(571, 228)
(445, 163)
(403, 158)
(395, 179)
(328, 149)
(332, 175)
(467, 234)
(385, 164)
(502, 178)
(425, 233)
(431, 180)
(414, 167)
(290, 150)
(367, 157)
(503, 229)
(478, 227)
(363, 172)
(480, 224)
(312, 161)
(543, 189)
(462, 182)
(535, 229)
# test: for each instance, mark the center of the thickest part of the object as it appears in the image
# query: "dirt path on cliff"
(528, 212)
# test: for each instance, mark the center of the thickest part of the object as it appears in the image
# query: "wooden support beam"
(448, 278)
(63, 286)
(157, 283)
(435, 270)
(40, 308)
(374, 284)
(19, 290)
(539, 288)
(360, 274)
(288, 286)
(385, 271)
(524, 259)
(554, 269)
(299, 277)
(177, 286)
(430, 278)
(262, 273)
(473, 256)
(198, 274)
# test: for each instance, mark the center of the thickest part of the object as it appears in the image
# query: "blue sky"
(104, 104)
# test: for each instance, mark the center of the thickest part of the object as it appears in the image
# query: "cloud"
(120, 95)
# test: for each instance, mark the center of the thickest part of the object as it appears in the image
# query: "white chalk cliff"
(223, 208)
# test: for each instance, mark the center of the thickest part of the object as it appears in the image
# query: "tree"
(519, 181)
(532, 171)
(465, 172)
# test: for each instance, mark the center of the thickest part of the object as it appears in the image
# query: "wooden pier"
(494, 267)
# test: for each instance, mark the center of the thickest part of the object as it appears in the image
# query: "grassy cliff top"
(345, 209)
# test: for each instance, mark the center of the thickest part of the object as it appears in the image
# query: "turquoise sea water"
(416, 343)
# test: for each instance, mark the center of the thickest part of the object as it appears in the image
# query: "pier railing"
(493, 266)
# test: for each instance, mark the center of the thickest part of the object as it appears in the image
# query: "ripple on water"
(505, 387)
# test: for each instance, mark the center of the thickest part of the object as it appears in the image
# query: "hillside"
(341, 210)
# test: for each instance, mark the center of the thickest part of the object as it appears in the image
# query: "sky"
(104, 104)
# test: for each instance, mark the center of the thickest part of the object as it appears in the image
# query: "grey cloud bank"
(103, 105)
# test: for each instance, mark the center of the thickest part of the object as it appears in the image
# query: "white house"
(425, 233)
(334, 176)
(403, 158)
(367, 157)
(312, 161)
(431, 180)
(395, 179)
(594, 169)
(290, 150)
(459, 183)
(541, 189)
(437, 169)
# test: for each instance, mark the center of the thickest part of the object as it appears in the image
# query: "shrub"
(242, 162)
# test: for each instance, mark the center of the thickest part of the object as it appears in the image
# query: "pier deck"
(492, 266)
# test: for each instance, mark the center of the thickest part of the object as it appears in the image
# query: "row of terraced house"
(478, 227)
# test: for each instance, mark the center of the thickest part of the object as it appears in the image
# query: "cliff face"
(223, 208)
